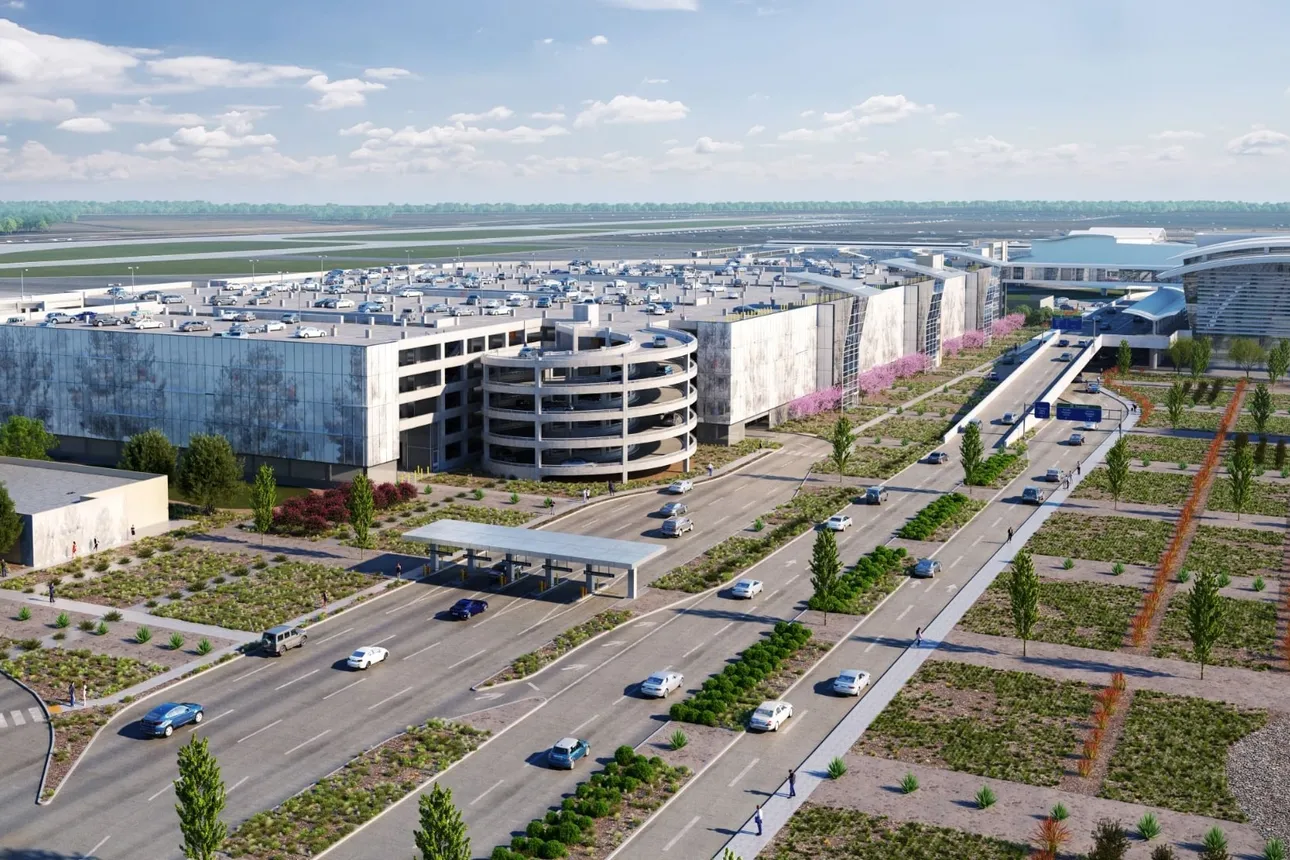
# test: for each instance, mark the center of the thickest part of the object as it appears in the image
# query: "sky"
(643, 100)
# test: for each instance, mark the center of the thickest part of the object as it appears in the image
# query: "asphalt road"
(24, 740)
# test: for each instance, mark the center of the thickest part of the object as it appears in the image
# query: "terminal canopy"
(540, 543)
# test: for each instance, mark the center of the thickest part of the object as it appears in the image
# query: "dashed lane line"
(486, 791)
(422, 651)
(343, 689)
(743, 772)
(677, 838)
(468, 659)
(293, 680)
(332, 636)
(257, 731)
(389, 698)
(304, 743)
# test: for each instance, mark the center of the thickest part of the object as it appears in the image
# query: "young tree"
(209, 471)
(843, 438)
(1124, 357)
(1200, 354)
(971, 452)
(826, 569)
(25, 437)
(362, 506)
(1240, 471)
(1023, 592)
(149, 451)
(1278, 364)
(442, 835)
(264, 495)
(1204, 616)
(1261, 407)
(200, 790)
(1180, 353)
(1175, 402)
(10, 521)
(1110, 841)
(1246, 354)
(1117, 469)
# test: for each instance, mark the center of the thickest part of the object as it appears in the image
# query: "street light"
(409, 253)
(22, 284)
(132, 269)
(253, 262)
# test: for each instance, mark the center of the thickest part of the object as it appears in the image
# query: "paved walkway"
(132, 616)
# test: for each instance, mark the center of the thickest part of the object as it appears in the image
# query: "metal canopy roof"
(584, 549)
(1162, 304)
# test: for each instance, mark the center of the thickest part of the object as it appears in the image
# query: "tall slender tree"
(826, 571)
(971, 453)
(1240, 472)
(1124, 357)
(264, 495)
(1261, 407)
(1175, 403)
(1200, 355)
(1204, 616)
(1117, 469)
(362, 507)
(10, 521)
(843, 438)
(1278, 364)
(1023, 593)
(1246, 353)
(442, 835)
(200, 790)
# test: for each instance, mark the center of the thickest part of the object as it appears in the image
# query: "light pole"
(132, 269)
(22, 284)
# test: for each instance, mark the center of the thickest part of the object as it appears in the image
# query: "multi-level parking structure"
(603, 402)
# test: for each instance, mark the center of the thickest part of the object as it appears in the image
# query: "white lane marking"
(37, 715)
(17, 717)
(978, 540)
(343, 689)
(252, 672)
(257, 731)
(161, 792)
(386, 639)
(789, 581)
(905, 612)
(293, 680)
(467, 659)
(422, 651)
(677, 838)
(534, 686)
(332, 636)
(790, 563)
(575, 667)
(3, 724)
(743, 772)
(797, 718)
(311, 740)
(486, 791)
(913, 586)
(956, 561)
(774, 594)
(236, 784)
(541, 621)
(210, 720)
(488, 697)
(873, 644)
(692, 650)
(584, 722)
(723, 629)
(388, 698)
(995, 525)
(102, 842)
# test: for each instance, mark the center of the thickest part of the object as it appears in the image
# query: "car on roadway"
(148, 322)
(769, 716)
(1095, 388)
(1063, 342)
(850, 682)
(566, 752)
(281, 639)
(1075, 439)
(1054, 475)
(1088, 426)
(875, 495)
(993, 376)
(660, 684)
(467, 608)
(747, 589)
(101, 320)
(162, 720)
(1009, 418)
(975, 422)
(680, 488)
(366, 656)
(1034, 496)
(937, 458)
(1065, 356)
(307, 331)
(674, 509)
(838, 523)
(926, 568)
(195, 325)
(677, 526)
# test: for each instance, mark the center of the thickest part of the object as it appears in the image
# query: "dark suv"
(281, 639)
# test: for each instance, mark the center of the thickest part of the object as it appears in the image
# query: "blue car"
(467, 607)
(162, 720)
(566, 752)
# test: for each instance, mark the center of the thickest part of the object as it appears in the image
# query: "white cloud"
(756, 130)
(459, 135)
(221, 137)
(203, 72)
(599, 40)
(161, 144)
(879, 110)
(547, 116)
(625, 110)
(144, 112)
(707, 146)
(947, 117)
(1177, 135)
(807, 114)
(86, 125)
(344, 93)
(652, 81)
(497, 113)
(985, 145)
(38, 62)
(3, 140)
(548, 40)
(870, 157)
(34, 108)
(386, 73)
(16, 4)
(211, 152)
(1169, 153)
(657, 5)
(1263, 141)
(368, 129)
(1067, 151)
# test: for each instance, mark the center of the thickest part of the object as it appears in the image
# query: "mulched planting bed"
(1235, 550)
(335, 805)
(1173, 751)
(1145, 488)
(268, 597)
(390, 539)
(821, 424)
(826, 833)
(49, 671)
(1131, 540)
(1268, 499)
(184, 568)
(1167, 449)
(1248, 637)
(1000, 724)
(530, 663)
(1084, 614)
(73, 731)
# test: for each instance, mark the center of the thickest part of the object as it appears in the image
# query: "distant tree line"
(35, 216)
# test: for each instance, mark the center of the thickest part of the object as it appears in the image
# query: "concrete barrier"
(1075, 368)
(1034, 345)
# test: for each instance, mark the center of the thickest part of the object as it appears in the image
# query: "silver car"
(927, 568)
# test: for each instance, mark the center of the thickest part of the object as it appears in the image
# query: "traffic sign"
(1072, 412)
(1071, 324)
(1042, 410)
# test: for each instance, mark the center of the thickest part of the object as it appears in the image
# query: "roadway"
(24, 740)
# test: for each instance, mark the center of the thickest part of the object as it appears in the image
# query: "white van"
(573, 296)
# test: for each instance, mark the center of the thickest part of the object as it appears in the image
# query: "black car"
(105, 319)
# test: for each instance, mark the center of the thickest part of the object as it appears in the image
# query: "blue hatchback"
(467, 607)
(566, 752)
(162, 720)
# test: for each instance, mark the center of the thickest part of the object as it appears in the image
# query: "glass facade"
(1250, 300)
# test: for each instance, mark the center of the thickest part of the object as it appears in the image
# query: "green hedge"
(994, 466)
(929, 519)
(867, 572)
(720, 695)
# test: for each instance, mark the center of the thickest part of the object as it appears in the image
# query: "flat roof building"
(1098, 258)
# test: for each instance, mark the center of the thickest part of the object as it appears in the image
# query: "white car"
(746, 589)
(838, 523)
(660, 684)
(410, 294)
(309, 331)
(344, 303)
(850, 682)
(148, 322)
(769, 716)
(680, 488)
(366, 656)
(274, 325)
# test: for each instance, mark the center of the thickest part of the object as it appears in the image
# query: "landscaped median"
(534, 661)
(337, 804)
(1000, 467)
(940, 519)
(864, 584)
(73, 731)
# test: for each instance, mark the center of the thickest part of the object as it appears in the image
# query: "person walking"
(4, 567)
(132, 532)
(1077, 465)
(73, 549)
(398, 570)
(325, 600)
(792, 783)
(710, 470)
(96, 544)
(1009, 534)
(918, 637)
(51, 591)
(757, 819)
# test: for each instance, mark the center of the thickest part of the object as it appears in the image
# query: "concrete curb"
(1033, 346)
(49, 754)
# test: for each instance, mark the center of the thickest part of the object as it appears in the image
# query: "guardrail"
(1035, 345)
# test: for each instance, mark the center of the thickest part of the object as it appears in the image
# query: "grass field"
(73, 251)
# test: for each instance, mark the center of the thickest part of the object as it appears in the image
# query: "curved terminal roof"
(1162, 304)
(1096, 250)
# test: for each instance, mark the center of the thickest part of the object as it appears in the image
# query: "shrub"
(1163, 852)
(1059, 812)
(60, 636)
(145, 552)
(1110, 841)
(62, 620)
(86, 626)
(29, 644)
(1184, 575)
(758, 524)
(1223, 579)
(279, 558)
(1068, 564)
(260, 564)
(101, 629)
(994, 466)
(204, 647)
(719, 696)
(868, 571)
(143, 635)
(176, 641)
(1214, 845)
(428, 489)
(1261, 450)
(985, 798)
(932, 517)
(150, 604)
(1279, 458)
(678, 740)
(102, 565)
(112, 615)
(515, 498)
(123, 560)
(1117, 568)
(837, 768)
(1149, 826)
(1259, 584)
(1050, 837)
(1274, 850)
(909, 783)
(24, 614)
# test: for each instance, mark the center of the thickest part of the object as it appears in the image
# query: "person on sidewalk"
(1077, 468)
(710, 470)
(1009, 534)
(325, 600)
(96, 544)
(792, 783)
(398, 570)
(757, 819)
(51, 591)
(132, 532)
(918, 637)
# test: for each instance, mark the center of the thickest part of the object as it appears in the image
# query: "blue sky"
(602, 100)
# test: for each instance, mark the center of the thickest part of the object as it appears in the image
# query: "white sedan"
(746, 589)
(660, 684)
(274, 325)
(367, 656)
(769, 716)
(309, 331)
(838, 523)
(410, 294)
(147, 322)
(850, 682)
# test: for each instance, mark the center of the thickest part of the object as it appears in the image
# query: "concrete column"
(510, 570)
(590, 580)
(1153, 358)
(434, 558)
(548, 574)
(631, 583)
(470, 562)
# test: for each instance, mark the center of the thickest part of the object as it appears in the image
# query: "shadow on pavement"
(36, 854)
(1061, 662)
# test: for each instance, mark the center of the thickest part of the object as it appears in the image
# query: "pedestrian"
(131, 532)
(757, 819)
(96, 544)
(1009, 534)
(792, 783)
(73, 549)
(1077, 465)
(398, 570)
(325, 600)
(71, 694)
(51, 591)
(4, 567)
(710, 470)
(918, 637)
(611, 488)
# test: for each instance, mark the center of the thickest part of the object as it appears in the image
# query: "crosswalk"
(18, 718)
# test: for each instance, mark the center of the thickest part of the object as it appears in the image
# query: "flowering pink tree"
(1007, 325)
(882, 377)
(973, 339)
(826, 400)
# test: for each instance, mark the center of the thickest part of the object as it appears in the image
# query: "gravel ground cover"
(1172, 753)
(1001, 724)
(1224, 549)
(1248, 637)
(1130, 540)
(50, 671)
(391, 539)
(73, 731)
(825, 833)
(184, 568)
(1084, 614)
(1258, 774)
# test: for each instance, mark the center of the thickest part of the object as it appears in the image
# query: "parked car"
(875, 495)
(439, 308)
(309, 331)
(366, 656)
(850, 682)
(281, 639)
(148, 322)
(341, 304)
(660, 684)
(195, 325)
(162, 720)
(273, 325)
(838, 523)
(259, 300)
(59, 318)
(467, 608)
(291, 318)
(1075, 439)
(244, 316)
(937, 458)
(769, 716)
(926, 568)
(101, 320)
(410, 294)
(677, 526)
(1033, 496)
(223, 301)
(674, 509)
(746, 589)
(566, 752)
(172, 299)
